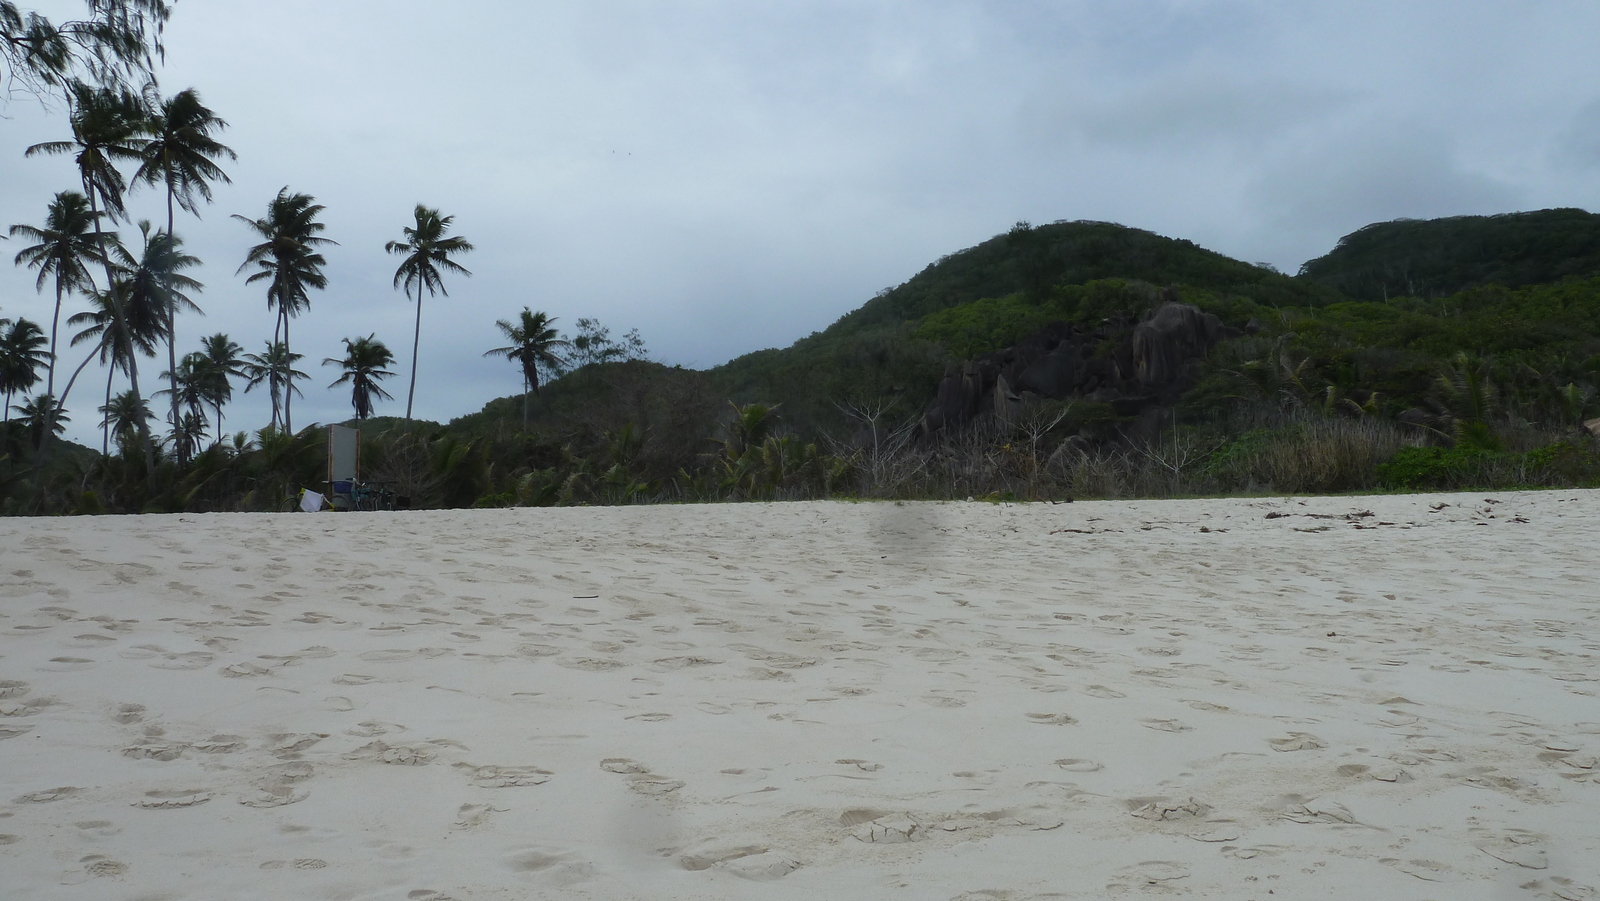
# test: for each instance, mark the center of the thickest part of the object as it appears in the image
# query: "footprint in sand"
(1319, 811)
(1149, 876)
(651, 717)
(29, 707)
(1426, 870)
(353, 679)
(90, 640)
(758, 863)
(282, 744)
(1164, 809)
(1078, 765)
(128, 714)
(65, 664)
(1101, 691)
(244, 671)
(654, 785)
(11, 730)
(160, 658)
(1516, 847)
(395, 756)
(865, 766)
(591, 664)
(555, 865)
(623, 765)
(172, 799)
(11, 688)
(1052, 719)
(507, 776)
(1165, 725)
(154, 751)
(303, 863)
(1297, 741)
(47, 795)
(100, 865)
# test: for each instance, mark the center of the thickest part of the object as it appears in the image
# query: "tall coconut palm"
(120, 415)
(535, 345)
(67, 244)
(191, 379)
(181, 155)
(115, 344)
(364, 359)
(41, 416)
(155, 284)
(106, 123)
(223, 365)
(426, 250)
(275, 369)
(21, 354)
(288, 261)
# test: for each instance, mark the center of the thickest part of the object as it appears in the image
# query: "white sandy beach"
(1228, 699)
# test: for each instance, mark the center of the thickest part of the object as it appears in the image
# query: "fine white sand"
(1229, 699)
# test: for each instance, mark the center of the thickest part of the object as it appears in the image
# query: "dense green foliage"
(1438, 257)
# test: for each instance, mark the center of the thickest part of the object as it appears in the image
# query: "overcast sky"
(729, 176)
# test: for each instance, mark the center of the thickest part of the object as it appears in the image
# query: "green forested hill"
(880, 353)
(1438, 257)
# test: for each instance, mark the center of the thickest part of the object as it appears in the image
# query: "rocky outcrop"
(1130, 365)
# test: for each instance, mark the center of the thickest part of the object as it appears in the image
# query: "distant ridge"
(1438, 257)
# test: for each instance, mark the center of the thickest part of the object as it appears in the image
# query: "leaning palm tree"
(534, 346)
(274, 368)
(223, 365)
(364, 359)
(426, 251)
(181, 155)
(66, 246)
(106, 123)
(21, 354)
(287, 260)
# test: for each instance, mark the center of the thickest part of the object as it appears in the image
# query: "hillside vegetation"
(1448, 354)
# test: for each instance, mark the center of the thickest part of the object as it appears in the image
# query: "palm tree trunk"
(272, 377)
(55, 326)
(524, 405)
(105, 438)
(288, 377)
(122, 321)
(172, 335)
(416, 338)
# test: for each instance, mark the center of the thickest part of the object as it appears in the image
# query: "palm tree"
(223, 364)
(65, 248)
(275, 369)
(288, 262)
(426, 251)
(364, 359)
(181, 154)
(41, 416)
(115, 344)
(105, 123)
(534, 344)
(122, 414)
(21, 354)
(191, 379)
(156, 285)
